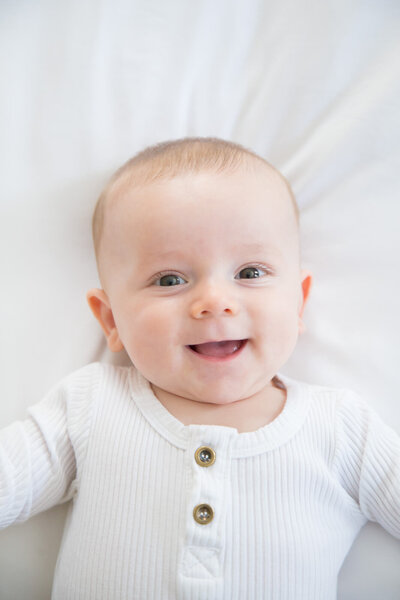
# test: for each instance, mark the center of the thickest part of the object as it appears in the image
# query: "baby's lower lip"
(218, 351)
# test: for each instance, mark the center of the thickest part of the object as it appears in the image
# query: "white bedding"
(312, 86)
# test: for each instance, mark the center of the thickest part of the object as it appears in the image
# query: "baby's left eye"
(169, 280)
(250, 273)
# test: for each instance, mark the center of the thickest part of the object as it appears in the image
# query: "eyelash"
(258, 267)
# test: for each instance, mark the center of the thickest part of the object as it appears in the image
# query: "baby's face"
(199, 260)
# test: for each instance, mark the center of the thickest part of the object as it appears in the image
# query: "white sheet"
(312, 86)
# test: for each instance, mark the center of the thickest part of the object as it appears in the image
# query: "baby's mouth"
(218, 349)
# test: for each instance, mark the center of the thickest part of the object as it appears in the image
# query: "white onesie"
(165, 511)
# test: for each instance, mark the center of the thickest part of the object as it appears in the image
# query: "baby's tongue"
(218, 348)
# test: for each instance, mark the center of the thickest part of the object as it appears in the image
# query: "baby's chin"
(213, 395)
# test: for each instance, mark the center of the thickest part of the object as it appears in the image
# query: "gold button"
(203, 514)
(205, 456)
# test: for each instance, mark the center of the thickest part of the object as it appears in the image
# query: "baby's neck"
(245, 415)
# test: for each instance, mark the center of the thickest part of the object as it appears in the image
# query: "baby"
(200, 472)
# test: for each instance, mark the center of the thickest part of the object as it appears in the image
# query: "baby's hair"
(176, 157)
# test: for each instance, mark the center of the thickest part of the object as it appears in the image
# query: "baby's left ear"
(306, 282)
(101, 308)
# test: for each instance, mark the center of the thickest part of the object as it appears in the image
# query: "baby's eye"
(250, 273)
(168, 280)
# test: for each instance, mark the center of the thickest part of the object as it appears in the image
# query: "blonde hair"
(171, 158)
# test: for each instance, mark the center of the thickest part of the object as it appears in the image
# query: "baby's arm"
(368, 452)
(38, 467)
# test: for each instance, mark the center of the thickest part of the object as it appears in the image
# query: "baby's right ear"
(101, 308)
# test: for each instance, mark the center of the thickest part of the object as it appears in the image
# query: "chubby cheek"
(146, 332)
(278, 324)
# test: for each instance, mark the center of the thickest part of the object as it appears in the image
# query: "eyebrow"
(251, 247)
(255, 247)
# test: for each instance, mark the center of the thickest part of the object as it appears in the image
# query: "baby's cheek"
(277, 320)
(148, 332)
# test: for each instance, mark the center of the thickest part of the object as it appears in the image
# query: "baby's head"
(197, 246)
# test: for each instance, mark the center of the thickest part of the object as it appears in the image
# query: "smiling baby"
(197, 246)
(200, 472)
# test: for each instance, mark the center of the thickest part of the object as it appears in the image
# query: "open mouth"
(219, 350)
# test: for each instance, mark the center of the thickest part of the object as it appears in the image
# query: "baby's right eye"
(168, 280)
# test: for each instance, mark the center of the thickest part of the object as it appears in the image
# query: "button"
(203, 514)
(204, 456)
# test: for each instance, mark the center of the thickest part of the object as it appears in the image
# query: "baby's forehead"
(136, 187)
(202, 206)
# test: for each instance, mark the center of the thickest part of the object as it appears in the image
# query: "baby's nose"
(213, 302)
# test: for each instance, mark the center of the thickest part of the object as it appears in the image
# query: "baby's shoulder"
(344, 408)
(330, 405)
(338, 398)
(90, 382)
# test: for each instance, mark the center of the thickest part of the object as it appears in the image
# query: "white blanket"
(312, 86)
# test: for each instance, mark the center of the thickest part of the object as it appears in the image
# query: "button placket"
(208, 471)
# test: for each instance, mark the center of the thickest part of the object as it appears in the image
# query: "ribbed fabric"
(288, 499)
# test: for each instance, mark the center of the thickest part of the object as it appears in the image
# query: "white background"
(312, 86)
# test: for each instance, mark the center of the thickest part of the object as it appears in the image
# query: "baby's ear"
(306, 281)
(101, 308)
